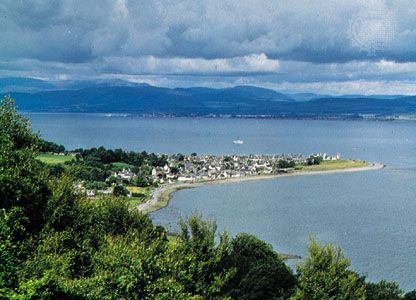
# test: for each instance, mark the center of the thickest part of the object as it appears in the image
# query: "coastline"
(162, 195)
(325, 117)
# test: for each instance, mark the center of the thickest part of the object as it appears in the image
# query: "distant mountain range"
(126, 97)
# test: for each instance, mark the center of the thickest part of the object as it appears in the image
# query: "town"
(199, 168)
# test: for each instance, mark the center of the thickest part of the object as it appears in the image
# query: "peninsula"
(162, 194)
(148, 180)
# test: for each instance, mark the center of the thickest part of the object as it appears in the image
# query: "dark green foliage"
(56, 170)
(410, 295)
(8, 261)
(283, 164)
(108, 156)
(23, 180)
(314, 160)
(143, 180)
(97, 164)
(97, 185)
(325, 275)
(66, 256)
(201, 268)
(127, 268)
(139, 195)
(227, 158)
(383, 290)
(260, 272)
(46, 146)
(61, 210)
(174, 170)
(89, 170)
(120, 190)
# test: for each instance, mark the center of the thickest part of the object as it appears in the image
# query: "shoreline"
(336, 117)
(162, 195)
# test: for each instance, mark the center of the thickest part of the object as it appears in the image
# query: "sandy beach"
(161, 195)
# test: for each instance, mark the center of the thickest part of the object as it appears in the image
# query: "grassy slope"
(329, 165)
(134, 201)
(51, 159)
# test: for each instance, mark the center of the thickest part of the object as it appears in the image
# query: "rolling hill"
(120, 97)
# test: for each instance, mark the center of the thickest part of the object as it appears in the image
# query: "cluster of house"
(125, 174)
(212, 167)
(326, 156)
(79, 187)
(194, 168)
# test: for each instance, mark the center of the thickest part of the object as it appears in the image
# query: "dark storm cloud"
(314, 31)
(294, 41)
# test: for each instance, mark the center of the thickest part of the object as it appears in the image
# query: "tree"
(383, 290)
(129, 268)
(61, 208)
(120, 190)
(23, 180)
(8, 261)
(174, 170)
(201, 265)
(410, 295)
(325, 274)
(314, 160)
(282, 164)
(46, 146)
(260, 272)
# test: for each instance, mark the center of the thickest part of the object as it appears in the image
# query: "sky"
(326, 47)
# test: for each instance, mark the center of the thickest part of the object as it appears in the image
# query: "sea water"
(370, 214)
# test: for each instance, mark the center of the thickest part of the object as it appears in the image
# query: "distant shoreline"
(163, 194)
(318, 117)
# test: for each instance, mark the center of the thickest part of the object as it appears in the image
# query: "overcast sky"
(337, 47)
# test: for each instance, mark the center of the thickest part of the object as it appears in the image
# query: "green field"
(145, 191)
(52, 159)
(328, 165)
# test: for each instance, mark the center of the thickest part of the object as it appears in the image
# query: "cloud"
(318, 31)
(297, 41)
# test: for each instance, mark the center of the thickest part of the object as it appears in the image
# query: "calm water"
(371, 214)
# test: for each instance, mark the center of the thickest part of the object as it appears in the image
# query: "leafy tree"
(325, 274)
(61, 210)
(53, 262)
(46, 146)
(127, 268)
(410, 295)
(383, 290)
(120, 190)
(23, 180)
(174, 170)
(227, 159)
(314, 160)
(282, 163)
(143, 180)
(201, 268)
(8, 261)
(260, 272)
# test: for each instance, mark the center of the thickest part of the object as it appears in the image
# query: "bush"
(120, 190)
(325, 274)
(260, 272)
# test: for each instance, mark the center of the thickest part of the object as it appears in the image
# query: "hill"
(126, 97)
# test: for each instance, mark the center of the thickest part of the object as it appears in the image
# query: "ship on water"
(238, 142)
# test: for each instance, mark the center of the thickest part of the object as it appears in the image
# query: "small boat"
(238, 142)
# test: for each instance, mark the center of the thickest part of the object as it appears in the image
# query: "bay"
(370, 214)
